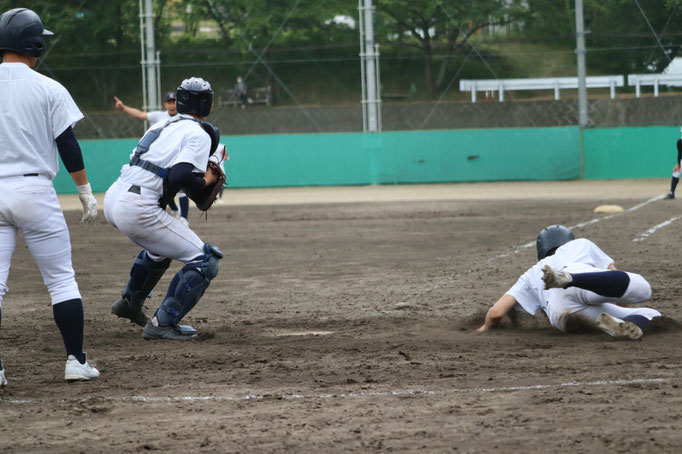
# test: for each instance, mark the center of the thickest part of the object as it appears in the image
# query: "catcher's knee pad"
(144, 275)
(188, 286)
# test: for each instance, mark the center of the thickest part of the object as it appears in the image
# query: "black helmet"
(22, 31)
(194, 96)
(551, 238)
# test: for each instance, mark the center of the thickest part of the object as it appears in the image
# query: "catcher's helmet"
(552, 237)
(21, 31)
(194, 96)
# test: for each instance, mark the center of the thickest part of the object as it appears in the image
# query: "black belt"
(134, 189)
(31, 174)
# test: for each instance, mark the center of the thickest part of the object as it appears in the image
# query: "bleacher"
(545, 83)
(655, 80)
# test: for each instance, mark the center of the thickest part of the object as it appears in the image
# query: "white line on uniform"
(653, 229)
(367, 395)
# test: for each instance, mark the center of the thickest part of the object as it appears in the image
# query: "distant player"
(172, 155)
(36, 121)
(576, 284)
(676, 171)
(170, 106)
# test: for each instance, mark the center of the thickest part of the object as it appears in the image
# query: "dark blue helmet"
(194, 96)
(21, 31)
(551, 238)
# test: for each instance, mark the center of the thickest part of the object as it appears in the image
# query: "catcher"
(173, 155)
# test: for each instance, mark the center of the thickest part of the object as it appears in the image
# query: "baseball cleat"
(122, 309)
(3, 380)
(669, 196)
(74, 370)
(554, 278)
(165, 332)
(618, 328)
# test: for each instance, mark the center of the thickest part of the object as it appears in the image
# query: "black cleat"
(669, 196)
(165, 332)
(122, 309)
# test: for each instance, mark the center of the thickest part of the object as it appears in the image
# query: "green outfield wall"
(419, 157)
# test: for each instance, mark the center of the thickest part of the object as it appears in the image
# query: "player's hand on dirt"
(482, 328)
(119, 103)
(89, 203)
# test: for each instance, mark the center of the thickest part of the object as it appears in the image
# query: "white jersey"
(529, 291)
(35, 111)
(183, 140)
(157, 116)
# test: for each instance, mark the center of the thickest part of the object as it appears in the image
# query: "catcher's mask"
(21, 31)
(194, 96)
(551, 238)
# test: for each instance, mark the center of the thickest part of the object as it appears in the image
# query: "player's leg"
(673, 183)
(183, 200)
(610, 283)
(47, 238)
(145, 273)
(173, 207)
(184, 291)
(8, 234)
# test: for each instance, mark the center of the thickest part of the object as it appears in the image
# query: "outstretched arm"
(133, 112)
(495, 313)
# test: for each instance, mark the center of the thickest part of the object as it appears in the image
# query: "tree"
(441, 26)
(623, 36)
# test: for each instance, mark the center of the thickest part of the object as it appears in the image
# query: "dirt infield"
(343, 320)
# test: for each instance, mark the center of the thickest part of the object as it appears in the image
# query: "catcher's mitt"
(205, 197)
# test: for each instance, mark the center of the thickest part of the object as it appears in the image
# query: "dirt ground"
(343, 320)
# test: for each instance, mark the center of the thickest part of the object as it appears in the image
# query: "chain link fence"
(396, 116)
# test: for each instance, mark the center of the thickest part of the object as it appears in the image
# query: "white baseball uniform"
(35, 111)
(157, 116)
(578, 256)
(139, 216)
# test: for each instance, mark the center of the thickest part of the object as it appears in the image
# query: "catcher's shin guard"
(188, 286)
(144, 275)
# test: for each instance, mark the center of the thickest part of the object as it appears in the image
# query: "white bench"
(548, 83)
(637, 80)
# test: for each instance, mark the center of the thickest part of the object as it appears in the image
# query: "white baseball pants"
(30, 204)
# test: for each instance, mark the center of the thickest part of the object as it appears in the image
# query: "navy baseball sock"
(172, 205)
(69, 318)
(638, 320)
(673, 184)
(184, 206)
(605, 283)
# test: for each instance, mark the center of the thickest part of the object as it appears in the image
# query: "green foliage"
(306, 56)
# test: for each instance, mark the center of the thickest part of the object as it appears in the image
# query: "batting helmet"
(194, 96)
(551, 238)
(22, 31)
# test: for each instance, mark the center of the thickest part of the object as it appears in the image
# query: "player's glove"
(88, 201)
(205, 197)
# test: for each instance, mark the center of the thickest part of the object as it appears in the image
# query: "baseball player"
(170, 104)
(36, 122)
(577, 285)
(676, 171)
(172, 155)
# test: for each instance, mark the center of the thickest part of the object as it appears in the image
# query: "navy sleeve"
(70, 151)
(181, 177)
(679, 150)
